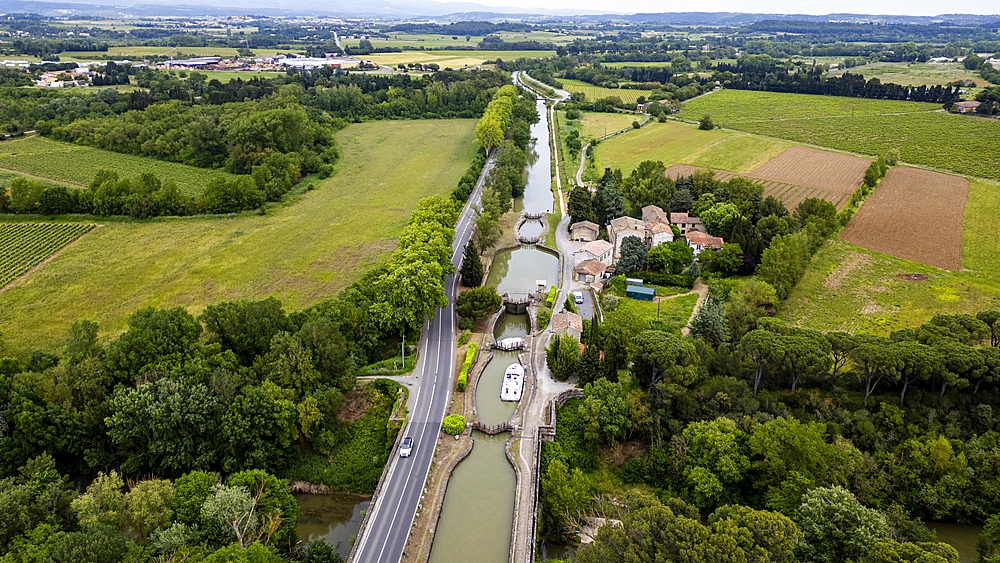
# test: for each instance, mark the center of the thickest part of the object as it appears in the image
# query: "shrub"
(544, 315)
(610, 302)
(464, 337)
(552, 296)
(569, 304)
(463, 376)
(453, 424)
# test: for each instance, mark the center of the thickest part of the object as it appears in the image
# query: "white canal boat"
(513, 383)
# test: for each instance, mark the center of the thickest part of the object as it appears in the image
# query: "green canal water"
(516, 270)
(489, 408)
(336, 517)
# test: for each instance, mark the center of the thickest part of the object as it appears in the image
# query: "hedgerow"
(463, 376)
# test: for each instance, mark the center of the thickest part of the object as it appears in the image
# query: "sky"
(817, 7)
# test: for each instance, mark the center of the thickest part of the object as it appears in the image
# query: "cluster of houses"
(595, 260)
(263, 64)
(76, 77)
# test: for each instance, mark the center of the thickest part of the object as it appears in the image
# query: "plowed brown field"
(914, 215)
(789, 194)
(814, 168)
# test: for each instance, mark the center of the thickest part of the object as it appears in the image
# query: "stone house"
(600, 250)
(584, 231)
(589, 271)
(685, 223)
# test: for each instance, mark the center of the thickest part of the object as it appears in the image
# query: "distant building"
(966, 107)
(653, 229)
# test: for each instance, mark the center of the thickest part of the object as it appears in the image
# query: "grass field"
(964, 144)
(597, 124)
(681, 143)
(6, 176)
(913, 74)
(851, 289)
(595, 93)
(301, 252)
(26, 245)
(674, 312)
(453, 59)
(77, 164)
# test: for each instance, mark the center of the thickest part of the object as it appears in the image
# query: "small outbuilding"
(585, 231)
(640, 293)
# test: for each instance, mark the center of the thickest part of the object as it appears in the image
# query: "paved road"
(383, 540)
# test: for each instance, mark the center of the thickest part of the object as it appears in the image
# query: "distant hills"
(453, 11)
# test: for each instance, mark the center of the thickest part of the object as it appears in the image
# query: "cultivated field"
(26, 245)
(674, 142)
(77, 164)
(302, 251)
(921, 133)
(453, 59)
(915, 215)
(913, 73)
(595, 92)
(815, 168)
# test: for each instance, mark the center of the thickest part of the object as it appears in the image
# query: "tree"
(726, 261)
(165, 427)
(916, 363)
(472, 267)
(478, 303)
(103, 503)
(773, 533)
(663, 356)
(605, 412)
(633, 255)
(716, 462)
(245, 327)
(489, 132)
(614, 202)
(589, 368)
(408, 291)
(273, 499)
(157, 339)
(234, 511)
(882, 550)
(789, 458)
(874, 358)
(719, 217)
(191, 490)
(579, 206)
(783, 262)
(762, 349)
(565, 494)
(562, 356)
(258, 427)
(148, 506)
(705, 123)
(836, 527)
(36, 496)
(806, 353)
(82, 341)
(710, 323)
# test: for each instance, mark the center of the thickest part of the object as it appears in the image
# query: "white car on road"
(406, 447)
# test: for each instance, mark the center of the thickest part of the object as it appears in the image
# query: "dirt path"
(702, 290)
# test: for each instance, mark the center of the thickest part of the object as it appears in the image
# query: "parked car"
(406, 447)
(577, 297)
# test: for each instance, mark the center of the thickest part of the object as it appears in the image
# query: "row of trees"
(149, 196)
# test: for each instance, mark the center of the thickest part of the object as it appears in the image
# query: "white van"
(578, 297)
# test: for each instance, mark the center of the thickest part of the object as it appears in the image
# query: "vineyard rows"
(595, 92)
(26, 245)
(790, 194)
(78, 164)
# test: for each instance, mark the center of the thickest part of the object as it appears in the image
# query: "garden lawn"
(673, 142)
(922, 134)
(302, 251)
(674, 312)
(78, 164)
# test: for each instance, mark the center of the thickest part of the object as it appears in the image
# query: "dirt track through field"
(915, 215)
(814, 168)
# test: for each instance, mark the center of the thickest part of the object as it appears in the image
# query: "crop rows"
(79, 164)
(595, 92)
(790, 194)
(26, 245)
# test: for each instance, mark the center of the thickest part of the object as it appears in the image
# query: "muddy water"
(512, 326)
(531, 228)
(476, 518)
(963, 538)
(336, 517)
(489, 408)
(515, 270)
(538, 188)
